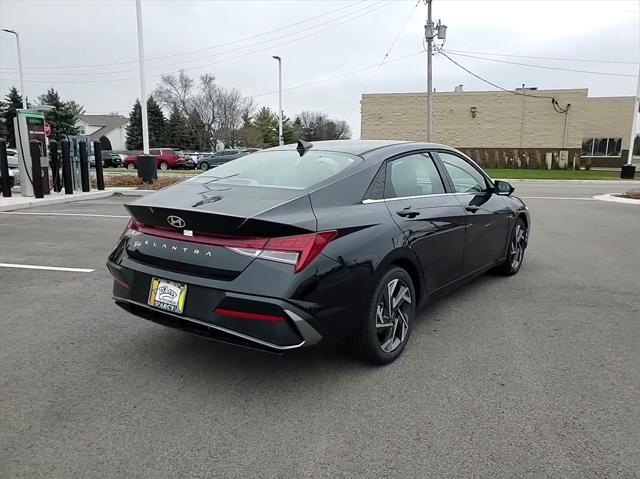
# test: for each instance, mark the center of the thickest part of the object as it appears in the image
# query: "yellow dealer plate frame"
(167, 295)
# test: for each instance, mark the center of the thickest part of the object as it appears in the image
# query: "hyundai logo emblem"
(176, 221)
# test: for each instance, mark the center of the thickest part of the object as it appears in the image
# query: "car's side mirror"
(503, 187)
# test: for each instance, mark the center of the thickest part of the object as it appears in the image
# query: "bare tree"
(206, 106)
(180, 92)
(213, 114)
(314, 125)
(234, 108)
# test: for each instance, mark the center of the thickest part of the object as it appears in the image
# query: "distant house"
(111, 127)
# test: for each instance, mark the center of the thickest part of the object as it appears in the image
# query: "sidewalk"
(18, 202)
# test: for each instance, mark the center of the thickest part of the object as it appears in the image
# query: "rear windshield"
(280, 169)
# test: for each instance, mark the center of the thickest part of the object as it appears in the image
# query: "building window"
(81, 130)
(602, 147)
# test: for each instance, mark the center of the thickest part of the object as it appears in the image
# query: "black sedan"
(290, 246)
(207, 161)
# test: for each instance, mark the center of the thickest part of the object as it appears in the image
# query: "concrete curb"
(54, 200)
(616, 199)
(601, 182)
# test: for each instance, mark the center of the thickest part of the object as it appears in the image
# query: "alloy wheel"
(516, 248)
(392, 315)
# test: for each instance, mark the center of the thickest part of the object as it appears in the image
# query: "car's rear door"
(487, 214)
(432, 220)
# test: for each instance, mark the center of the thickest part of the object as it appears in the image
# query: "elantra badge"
(176, 221)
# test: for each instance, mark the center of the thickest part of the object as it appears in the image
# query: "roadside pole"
(629, 170)
(143, 87)
(429, 37)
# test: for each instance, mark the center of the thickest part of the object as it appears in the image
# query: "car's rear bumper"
(269, 324)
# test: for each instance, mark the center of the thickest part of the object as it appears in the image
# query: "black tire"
(515, 250)
(204, 166)
(370, 342)
(131, 166)
(163, 165)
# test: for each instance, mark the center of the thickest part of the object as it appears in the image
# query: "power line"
(554, 102)
(109, 80)
(584, 60)
(188, 52)
(386, 55)
(366, 10)
(335, 77)
(591, 72)
(377, 6)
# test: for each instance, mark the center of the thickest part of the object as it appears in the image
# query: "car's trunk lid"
(192, 228)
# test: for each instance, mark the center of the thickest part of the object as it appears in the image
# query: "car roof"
(359, 147)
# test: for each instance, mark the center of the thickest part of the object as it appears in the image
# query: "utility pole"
(524, 97)
(143, 87)
(280, 137)
(429, 33)
(636, 107)
(24, 94)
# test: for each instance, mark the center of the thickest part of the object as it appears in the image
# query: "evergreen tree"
(134, 128)
(76, 108)
(13, 102)
(156, 124)
(267, 123)
(177, 133)
(61, 118)
(3, 124)
(289, 133)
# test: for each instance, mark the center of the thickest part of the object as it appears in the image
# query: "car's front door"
(432, 221)
(487, 213)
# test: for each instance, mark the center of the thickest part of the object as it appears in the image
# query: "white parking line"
(554, 198)
(48, 268)
(62, 214)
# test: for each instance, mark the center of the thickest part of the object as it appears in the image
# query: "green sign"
(32, 114)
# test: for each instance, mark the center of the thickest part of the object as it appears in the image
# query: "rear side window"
(154, 152)
(280, 169)
(412, 175)
(465, 178)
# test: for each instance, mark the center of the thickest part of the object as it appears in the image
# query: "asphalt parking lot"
(537, 375)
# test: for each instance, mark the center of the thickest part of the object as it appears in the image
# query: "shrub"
(634, 194)
(132, 180)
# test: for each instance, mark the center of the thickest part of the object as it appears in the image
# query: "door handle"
(406, 213)
(472, 208)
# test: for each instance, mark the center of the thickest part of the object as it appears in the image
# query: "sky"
(332, 51)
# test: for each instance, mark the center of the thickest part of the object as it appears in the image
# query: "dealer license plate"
(167, 295)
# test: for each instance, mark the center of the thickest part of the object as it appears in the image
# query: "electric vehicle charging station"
(29, 125)
(74, 145)
(32, 146)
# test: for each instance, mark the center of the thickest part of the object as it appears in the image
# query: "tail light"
(130, 230)
(298, 250)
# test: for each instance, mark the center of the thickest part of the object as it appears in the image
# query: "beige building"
(497, 128)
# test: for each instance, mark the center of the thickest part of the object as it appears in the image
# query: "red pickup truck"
(166, 158)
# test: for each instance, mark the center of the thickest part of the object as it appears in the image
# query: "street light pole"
(280, 138)
(24, 95)
(143, 87)
(636, 107)
(628, 170)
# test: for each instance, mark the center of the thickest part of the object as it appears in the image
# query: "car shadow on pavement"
(211, 359)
